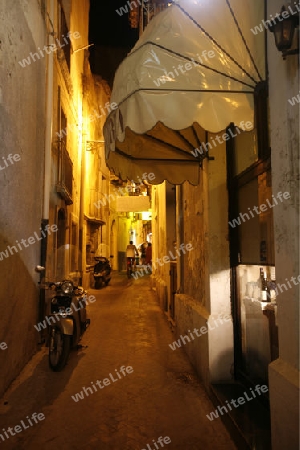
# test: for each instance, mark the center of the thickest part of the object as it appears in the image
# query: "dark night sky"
(107, 27)
(112, 36)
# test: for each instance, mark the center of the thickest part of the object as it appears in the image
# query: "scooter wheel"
(59, 349)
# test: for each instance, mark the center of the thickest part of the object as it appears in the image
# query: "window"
(256, 235)
(246, 151)
(64, 186)
(65, 174)
(64, 39)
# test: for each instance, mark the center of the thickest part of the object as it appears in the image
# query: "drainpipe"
(47, 156)
(82, 251)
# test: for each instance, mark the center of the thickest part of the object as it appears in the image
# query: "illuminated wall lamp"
(283, 26)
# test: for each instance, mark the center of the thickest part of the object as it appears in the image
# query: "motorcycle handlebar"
(49, 285)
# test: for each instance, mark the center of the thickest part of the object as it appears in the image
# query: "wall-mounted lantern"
(283, 26)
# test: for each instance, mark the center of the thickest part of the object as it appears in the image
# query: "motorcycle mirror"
(39, 268)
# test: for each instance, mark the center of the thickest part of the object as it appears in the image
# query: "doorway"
(252, 259)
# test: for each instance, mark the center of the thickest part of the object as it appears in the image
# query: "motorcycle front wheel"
(59, 349)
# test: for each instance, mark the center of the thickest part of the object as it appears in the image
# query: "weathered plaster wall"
(284, 133)
(114, 230)
(95, 172)
(195, 231)
(22, 124)
(161, 276)
(67, 93)
(221, 338)
(190, 314)
(77, 93)
(205, 285)
(191, 304)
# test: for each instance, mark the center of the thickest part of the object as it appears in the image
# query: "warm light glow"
(146, 215)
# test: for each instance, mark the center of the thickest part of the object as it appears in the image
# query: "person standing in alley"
(131, 252)
(149, 254)
(143, 253)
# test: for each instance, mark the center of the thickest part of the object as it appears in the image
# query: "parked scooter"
(102, 271)
(67, 320)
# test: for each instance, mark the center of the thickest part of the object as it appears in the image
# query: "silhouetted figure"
(149, 254)
(131, 252)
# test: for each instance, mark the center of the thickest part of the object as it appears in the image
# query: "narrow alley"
(160, 397)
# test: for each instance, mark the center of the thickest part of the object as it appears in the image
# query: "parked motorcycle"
(102, 271)
(67, 320)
